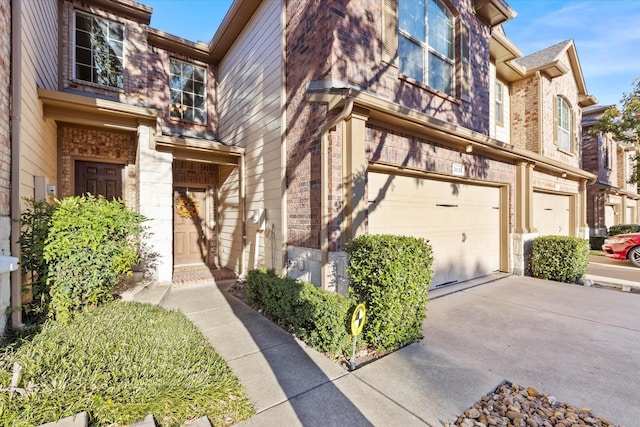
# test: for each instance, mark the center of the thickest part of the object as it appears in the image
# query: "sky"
(606, 33)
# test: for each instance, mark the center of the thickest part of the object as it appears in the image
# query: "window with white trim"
(426, 45)
(563, 119)
(499, 103)
(188, 91)
(99, 50)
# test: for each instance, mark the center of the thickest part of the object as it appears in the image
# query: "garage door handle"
(464, 237)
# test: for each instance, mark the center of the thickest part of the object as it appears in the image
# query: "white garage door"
(551, 214)
(462, 222)
(609, 216)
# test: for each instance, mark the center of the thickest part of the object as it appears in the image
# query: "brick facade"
(343, 41)
(98, 145)
(146, 72)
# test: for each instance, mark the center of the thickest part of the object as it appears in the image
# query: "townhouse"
(612, 199)
(301, 125)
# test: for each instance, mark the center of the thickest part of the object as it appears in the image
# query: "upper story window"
(426, 45)
(563, 118)
(608, 158)
(187, 85)
(98, 51)
(499, 103)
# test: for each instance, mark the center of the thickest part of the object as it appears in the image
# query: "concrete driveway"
(579, 344)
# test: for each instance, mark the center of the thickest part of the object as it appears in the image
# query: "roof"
(544, 56)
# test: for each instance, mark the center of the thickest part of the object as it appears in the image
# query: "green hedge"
(390, 274)
(560, 258)
(623, 229)
(317, 317)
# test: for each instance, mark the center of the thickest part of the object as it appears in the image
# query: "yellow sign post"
(357, 323)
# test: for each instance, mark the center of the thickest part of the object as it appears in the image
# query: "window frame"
(429, 50)
(93, 67)
(560, 128)
(499, 103)
(178, 110)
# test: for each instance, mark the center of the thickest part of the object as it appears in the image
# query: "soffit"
(199, 149)
(85, 110)
(494, 12)
(127, 8)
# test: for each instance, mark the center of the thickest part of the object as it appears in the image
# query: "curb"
(608, 282)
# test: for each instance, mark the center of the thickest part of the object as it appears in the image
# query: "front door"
(99, 179)
(190, 242)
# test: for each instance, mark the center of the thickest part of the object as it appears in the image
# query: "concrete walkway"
(580, 344)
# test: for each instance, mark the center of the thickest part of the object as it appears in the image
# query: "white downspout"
(324, 186)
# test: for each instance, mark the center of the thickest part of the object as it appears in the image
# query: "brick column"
(155, 199)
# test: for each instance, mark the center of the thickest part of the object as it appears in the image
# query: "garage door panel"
(551, 214)
(461, 222)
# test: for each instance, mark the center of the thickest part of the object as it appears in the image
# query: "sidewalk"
(579, 344)
(288, 383)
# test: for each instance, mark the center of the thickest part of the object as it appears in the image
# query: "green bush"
(390, 275)
(34, 224)
(317, 317)
(623, 229)
(92, 241)
(560, 258)
(120, 362)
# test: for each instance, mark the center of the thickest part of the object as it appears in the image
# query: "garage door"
(462, 222)
(609, 216)
(551, 214)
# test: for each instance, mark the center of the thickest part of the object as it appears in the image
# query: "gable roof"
(549, 62)
(544, 57)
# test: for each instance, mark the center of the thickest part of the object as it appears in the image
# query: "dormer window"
(563, 120)
(99, 51)
(187, 85)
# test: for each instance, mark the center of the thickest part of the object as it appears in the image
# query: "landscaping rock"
(513, 405)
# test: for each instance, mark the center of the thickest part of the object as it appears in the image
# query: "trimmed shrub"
(317, 317)
(390, 275)
(34, 224)
(560, 258)
(623, 229)
(92, 241)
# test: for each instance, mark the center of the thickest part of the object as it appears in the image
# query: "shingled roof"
(544, 56)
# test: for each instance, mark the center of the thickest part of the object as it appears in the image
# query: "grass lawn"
(119, 363)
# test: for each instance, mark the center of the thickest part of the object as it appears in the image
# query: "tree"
(624, 124)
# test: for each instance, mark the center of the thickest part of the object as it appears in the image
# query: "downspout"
(16, 93)
(324, 186)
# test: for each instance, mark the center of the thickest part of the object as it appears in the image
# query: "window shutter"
(465, 64)
(390, 32)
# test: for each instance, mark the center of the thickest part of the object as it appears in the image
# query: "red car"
(623, 246)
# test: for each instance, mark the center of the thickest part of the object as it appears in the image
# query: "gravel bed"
(511, 405)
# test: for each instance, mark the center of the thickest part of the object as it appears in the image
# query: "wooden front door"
(190, 242)
(99, 179)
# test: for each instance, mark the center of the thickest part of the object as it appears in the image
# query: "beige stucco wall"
(250, 104)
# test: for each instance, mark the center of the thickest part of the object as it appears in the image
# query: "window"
(187, 85)
(426, 43)
(563, 117)
(98, 51)
(608, 160)
(499, 106)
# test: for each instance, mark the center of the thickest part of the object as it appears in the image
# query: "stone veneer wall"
(5, 153)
